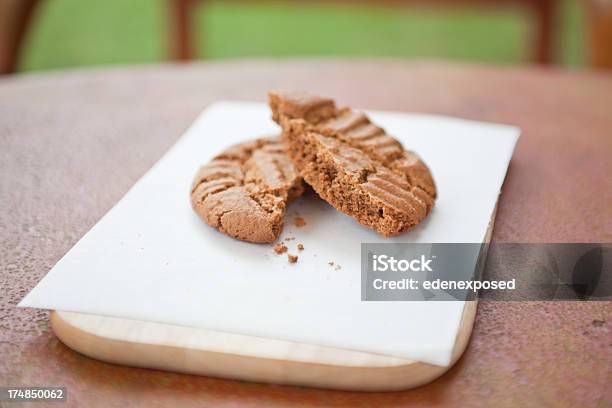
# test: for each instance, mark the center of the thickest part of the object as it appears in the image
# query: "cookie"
(353, 164)
(244, 190)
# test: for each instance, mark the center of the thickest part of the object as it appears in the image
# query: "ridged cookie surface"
(354, 164)
(244, 190)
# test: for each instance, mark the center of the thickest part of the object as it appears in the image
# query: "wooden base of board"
(204, 352)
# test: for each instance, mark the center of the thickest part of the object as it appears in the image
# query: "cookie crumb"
(300, 247)
(299, 222)
(292, 258)
(280, 248)
(289, 238)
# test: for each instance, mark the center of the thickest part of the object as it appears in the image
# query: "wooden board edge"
(250, 368)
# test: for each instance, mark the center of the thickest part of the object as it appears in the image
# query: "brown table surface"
(72, 143)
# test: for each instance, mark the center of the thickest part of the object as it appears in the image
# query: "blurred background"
(40, 35)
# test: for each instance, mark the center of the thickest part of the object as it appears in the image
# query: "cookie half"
(244, 190)
(353, 164)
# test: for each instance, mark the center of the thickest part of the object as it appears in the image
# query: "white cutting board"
(151, 258)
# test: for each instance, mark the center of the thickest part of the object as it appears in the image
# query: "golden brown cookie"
(244, 191)
(353, 164)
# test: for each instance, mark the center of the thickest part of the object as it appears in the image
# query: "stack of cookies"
(348, 161)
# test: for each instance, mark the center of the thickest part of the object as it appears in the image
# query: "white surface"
(151, 258)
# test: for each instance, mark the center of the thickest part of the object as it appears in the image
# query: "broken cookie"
(244, 190)
(353, 164)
